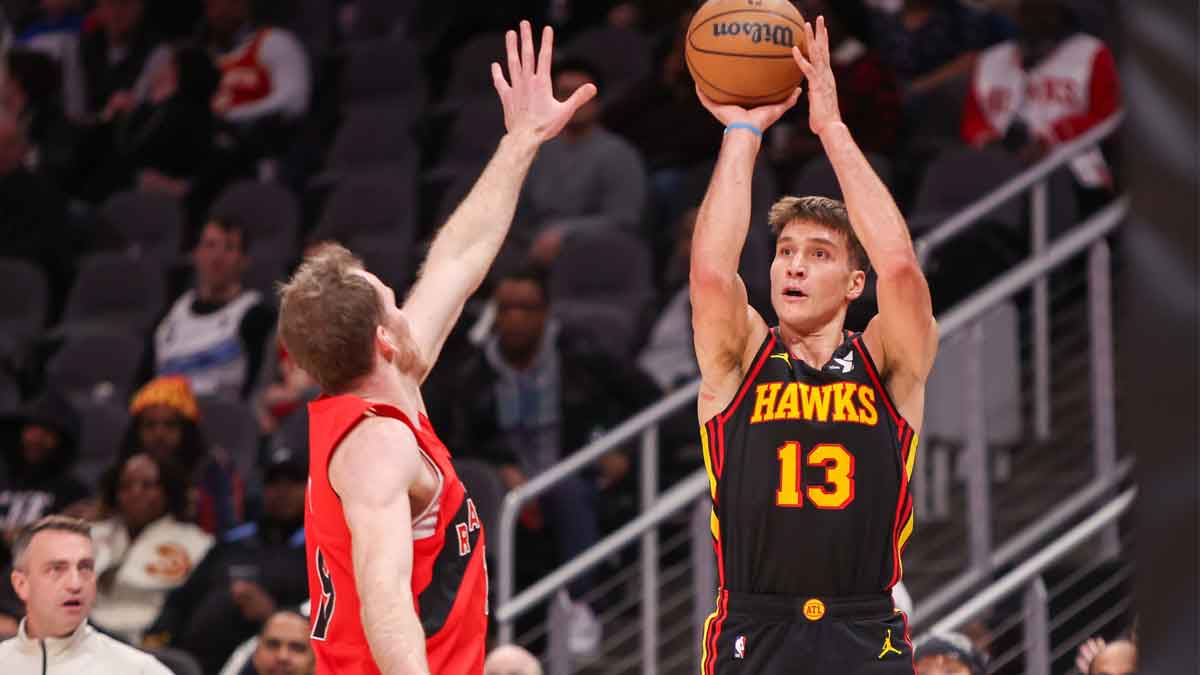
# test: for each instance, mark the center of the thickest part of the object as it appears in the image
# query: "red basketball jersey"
(449, 577)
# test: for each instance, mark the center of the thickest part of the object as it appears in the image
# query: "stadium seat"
(372, 136)
(472, 137)
(378, 202)
(230, 425)
(24, 300)
(270, 213)
(151, 224)
(104, 424)
(470, 72)
(114, 293)
(96, 367)
(178, 661)
(381, 69)
(626, 56)
(608, 327)
(10, 393)
(388, 256)
(957, 178)
(602, 266)
(817, 176)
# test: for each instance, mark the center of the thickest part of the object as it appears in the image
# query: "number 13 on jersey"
(838, 490)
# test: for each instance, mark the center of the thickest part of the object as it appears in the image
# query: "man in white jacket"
(54, 574)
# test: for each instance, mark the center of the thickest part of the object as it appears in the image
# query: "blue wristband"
(744, 125)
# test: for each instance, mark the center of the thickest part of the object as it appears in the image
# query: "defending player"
(395, 546)
(809, 431)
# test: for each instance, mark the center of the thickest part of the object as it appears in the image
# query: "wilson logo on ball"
(757, 32)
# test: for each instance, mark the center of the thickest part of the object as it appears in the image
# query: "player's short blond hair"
(824, 211)
(54, 523)
(328, 315)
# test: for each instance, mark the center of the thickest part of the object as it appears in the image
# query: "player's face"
(56, 579)
(811, 277)
(283, 647)
(396, 342)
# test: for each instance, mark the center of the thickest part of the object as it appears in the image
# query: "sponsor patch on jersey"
(739, 647)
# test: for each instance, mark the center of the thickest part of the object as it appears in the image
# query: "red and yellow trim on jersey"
(712, 468)
(712, 632)
(903, 525)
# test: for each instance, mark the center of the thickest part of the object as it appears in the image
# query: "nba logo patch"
(739, 647)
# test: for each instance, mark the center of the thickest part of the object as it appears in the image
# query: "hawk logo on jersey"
(739, 647)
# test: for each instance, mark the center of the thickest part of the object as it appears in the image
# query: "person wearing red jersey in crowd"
(1049, 86)
(395, 546)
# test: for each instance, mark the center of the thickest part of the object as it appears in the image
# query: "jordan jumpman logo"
(887, 646)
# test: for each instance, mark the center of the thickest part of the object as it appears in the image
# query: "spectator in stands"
(283, 647)
(165, 424)
(162, 142)
(55, 33)
(1116, 658)
(867, 93)
(215, 333)
(119, 52)
(145, 547)
(947, 654)
(253, 570)
(1049, 86)
(31, 94)
(660, 117)
(55, 577)
(264, 71)
(670, 355)
(32, 212)
(280, 399)
(40, 444)
(931, 42)
(511, 660)
(534, 394)
(587, 177)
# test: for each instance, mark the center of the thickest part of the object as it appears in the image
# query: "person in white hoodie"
(54, 574)
(145, 548)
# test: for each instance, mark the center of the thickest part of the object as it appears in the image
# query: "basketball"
(740, 51)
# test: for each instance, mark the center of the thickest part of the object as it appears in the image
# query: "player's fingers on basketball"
(805, 65)
(514, 61)
(546, 56)
(527, 62)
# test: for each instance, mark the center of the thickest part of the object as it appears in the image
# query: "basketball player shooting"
(395, 546)
(809, 432)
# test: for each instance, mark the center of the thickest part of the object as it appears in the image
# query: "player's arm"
(371, 472)
(464, 248)
(905, 325)
(722, 320)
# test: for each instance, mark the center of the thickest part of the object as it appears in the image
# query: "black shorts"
(777, 634)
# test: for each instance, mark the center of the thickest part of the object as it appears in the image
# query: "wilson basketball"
(740, 51)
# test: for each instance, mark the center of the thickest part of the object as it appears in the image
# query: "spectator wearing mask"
(55, 32)
(253, 570)
(586, 178)
(931, 42)
(1049, 86)
(32, 214)
(534, 394)
(947, 654)
(119, 52)
(264, 70)
(162, 141)
(868, 97)
(146, 547)
(55, 577)
(215, 333)
(165, 424)
(40, 446)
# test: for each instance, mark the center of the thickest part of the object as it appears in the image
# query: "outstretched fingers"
(527, 60)
(580, 96)
(514, 60)
(502, 86)
(546, 55)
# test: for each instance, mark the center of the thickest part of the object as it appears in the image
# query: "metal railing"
(964, 317)
(1028, 578)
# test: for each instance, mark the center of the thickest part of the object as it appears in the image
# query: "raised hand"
(529, 103)
(822, 90)
(762, 117)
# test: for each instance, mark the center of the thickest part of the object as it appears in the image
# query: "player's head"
(221, 256)
(522, 309)
(511, 660)
(1117, 658)
(569, 75)
(819, 267)
(283, 647)
(341, 323)
(54, 574)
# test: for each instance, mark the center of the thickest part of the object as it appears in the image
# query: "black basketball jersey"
(809, 473)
